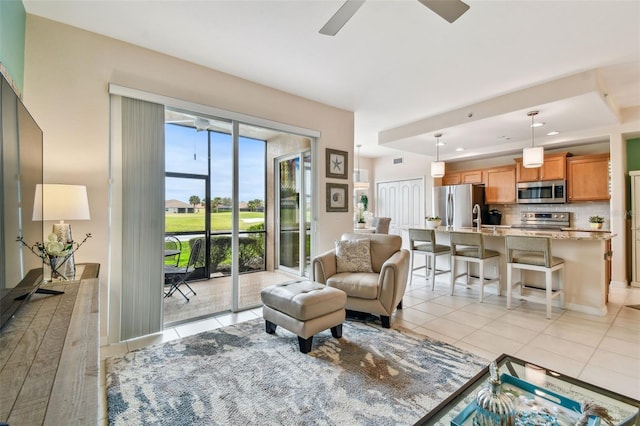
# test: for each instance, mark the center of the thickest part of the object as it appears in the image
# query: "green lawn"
(185, 222)
(194, 222)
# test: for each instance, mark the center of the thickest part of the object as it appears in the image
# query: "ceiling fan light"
(533, 157)
(201, 123)
(437, 169)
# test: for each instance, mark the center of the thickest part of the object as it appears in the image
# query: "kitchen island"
(587, 257)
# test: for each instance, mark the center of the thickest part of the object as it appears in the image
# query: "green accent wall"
(633, 154)
(633, 163)
(12, 34)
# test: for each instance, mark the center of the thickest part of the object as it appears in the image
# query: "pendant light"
(437, 167)
(360, 179)
(533, 156)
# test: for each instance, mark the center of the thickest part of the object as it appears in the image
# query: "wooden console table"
(49, 359)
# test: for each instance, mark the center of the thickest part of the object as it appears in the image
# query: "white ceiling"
(402, 69)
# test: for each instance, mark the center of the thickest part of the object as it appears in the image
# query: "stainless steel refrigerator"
(454, 204)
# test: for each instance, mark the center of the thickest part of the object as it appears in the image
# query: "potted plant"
(365, 201)
(596, 222)
(433, 222)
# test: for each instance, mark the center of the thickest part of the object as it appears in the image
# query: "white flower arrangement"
(54, 252)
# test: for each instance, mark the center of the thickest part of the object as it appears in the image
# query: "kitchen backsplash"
(580, 212)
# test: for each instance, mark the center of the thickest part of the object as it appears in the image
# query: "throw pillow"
(353, 256)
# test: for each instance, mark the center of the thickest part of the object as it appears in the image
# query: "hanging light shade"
(532, 156)
(437, 167)
(360, 177)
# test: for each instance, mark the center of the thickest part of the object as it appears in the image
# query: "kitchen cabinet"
(452, 178)
(500, 185)
(472, 176)
(553, 168)
(588, 178)
(460, 177)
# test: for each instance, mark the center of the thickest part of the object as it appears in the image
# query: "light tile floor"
(601, 350)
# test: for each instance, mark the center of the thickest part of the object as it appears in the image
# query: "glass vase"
(494, 407)
(57, 268)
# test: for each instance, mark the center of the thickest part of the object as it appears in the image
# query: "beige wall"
(67, 72)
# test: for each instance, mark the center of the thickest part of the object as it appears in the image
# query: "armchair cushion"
(363, 285)
(353, 256)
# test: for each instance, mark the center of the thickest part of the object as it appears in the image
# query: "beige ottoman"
(304, 308)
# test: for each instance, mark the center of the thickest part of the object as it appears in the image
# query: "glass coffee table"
(624, 410)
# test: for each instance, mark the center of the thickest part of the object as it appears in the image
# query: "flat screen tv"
(20, 172)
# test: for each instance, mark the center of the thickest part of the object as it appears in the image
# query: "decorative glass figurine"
(494, 407)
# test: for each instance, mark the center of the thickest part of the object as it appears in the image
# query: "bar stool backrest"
(537, 247)
(421, 236)
(467, 239)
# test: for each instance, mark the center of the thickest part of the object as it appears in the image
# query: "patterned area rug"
(240, 375)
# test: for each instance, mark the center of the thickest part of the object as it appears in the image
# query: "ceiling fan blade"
(450, 10)
(341, 17)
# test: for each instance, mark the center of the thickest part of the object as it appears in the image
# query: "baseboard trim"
(619, 284)
(587, 309)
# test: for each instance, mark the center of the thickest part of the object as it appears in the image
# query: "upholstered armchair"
(371, 269)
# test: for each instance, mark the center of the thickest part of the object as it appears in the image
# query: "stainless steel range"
(543, 220)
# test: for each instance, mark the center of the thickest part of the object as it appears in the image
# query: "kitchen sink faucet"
(478, 220)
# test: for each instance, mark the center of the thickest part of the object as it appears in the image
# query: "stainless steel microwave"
(546, 192)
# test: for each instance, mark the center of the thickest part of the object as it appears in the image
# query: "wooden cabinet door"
(452, 178)
(588, 178)
(500, 186)
(554, 168)
(472, 176)
(524, 174)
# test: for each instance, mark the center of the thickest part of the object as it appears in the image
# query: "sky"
(186, 152)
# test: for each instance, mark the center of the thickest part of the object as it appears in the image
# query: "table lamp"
(61, 202)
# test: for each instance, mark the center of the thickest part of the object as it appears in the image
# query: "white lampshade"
(533, 157)
(437, 169)
(362, 186)
(61, 202)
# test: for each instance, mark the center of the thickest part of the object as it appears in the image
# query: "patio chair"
(177, 276)
(172, 250)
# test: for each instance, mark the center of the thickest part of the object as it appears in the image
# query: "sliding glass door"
(294, 212)
(221, 188)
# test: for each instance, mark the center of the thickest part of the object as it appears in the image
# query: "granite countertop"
(564, 234)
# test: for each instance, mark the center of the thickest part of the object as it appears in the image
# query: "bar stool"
(469, 247)
(423, 241)
(534, 254)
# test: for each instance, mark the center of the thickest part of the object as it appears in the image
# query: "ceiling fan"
(199, 123)
(450, 10)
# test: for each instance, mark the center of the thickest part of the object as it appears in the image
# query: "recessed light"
(553, 133)
(537, 124)
(441, 144)
(459, 149)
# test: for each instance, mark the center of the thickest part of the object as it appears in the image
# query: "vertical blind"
(142, 217)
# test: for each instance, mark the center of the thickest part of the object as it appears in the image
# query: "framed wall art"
(337, 197)
(337, 163)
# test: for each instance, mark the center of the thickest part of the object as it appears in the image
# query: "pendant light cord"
(532, 114)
